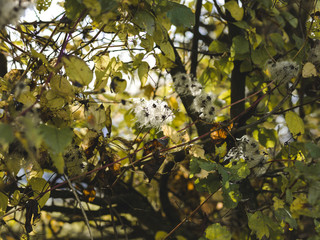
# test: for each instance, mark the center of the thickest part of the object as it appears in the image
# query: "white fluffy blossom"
(186, 85)
(282, 71)
(247, 149)
(12, 10)
(152, 113)
(203, 105)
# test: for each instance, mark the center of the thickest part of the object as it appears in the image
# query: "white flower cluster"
(247, 149)
(282, 71)
(203, 106)
(202, 103)
(12, 10)
(152, 113)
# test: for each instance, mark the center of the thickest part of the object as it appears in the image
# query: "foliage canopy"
(158, 119)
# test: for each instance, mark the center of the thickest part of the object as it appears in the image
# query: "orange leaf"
(221, 133)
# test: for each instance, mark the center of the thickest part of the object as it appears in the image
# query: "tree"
(160, 120)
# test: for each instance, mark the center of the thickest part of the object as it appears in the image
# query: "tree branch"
(195, 40)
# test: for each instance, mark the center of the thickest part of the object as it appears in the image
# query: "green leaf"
(41, 56)
(6, 136)
(168, 51)
(259, 56)
(314, 192)
(206, 165)
(39, 185)
(73, 8)
(3, 203)
(313, 149)
(239, 47)
(147, 43)
(210, 184)
(218, 47)
(245, 66)
(77, 70)
(143, 71)
(295, 123)
(218, 232)
(58, 161)
(241, 170)
(231, 194)
(242, 24)
(93, 6)
(43, 5)
(180, 15)
(290, 18)
(277, 39)
(207, 75)
(56, 139)
(258, 225)
(234, 9)
(145, 20)
(282, 214)
(267, 137)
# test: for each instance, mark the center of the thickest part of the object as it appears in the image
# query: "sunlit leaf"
(77, 70)
(143, 71)
(295, 123)
(218, 232)
(221, 133)
(167, 50)
(277, 203)
(39, 185)
(234, 9)
(118, 85)
(43, 5)
(218, 47)
(309, 70)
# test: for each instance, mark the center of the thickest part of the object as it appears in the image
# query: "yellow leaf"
(295, 123)
(77, 70)
(39, 185)
(143, 73)
(160, 235)
(234, 9)
(175, 136)
(309, 70)
(299, 206)
(54, 101)
(278, 203)
(61, 86)
(168, 51)
(197, 151)
(118, 85)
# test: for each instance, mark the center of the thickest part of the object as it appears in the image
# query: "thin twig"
(80, 205)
